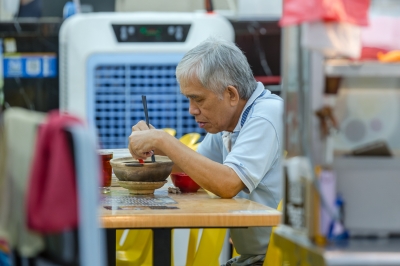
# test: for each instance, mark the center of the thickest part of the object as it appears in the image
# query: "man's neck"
(237, 114)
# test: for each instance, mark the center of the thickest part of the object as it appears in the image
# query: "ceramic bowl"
(141, 188)
(129, 169)
(184, 182)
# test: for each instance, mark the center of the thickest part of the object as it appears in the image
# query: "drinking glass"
(106, 156)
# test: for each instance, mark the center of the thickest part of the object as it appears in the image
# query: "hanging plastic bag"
(350, 11)
(333, 38)
(383, 32)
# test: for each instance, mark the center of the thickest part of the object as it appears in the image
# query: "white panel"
(83, 35)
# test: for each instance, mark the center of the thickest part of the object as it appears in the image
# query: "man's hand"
(203, 170)
(141, 140)
(141, 125)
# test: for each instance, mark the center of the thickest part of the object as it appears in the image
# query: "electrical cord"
(17, 26)
(252, 29)
(25, 97)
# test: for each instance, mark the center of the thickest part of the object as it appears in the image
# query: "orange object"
(392, 56)
(370, 53)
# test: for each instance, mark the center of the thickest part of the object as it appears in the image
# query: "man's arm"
(213, 176)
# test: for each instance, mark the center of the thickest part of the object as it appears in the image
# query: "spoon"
(146, 114)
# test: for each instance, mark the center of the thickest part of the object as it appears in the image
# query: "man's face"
(211, 112)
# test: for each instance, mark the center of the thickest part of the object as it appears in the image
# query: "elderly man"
(241, 154)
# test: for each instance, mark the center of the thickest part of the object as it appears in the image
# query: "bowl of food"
(129, 169)
(184, 182)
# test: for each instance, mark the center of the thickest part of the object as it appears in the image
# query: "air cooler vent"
(118, 104)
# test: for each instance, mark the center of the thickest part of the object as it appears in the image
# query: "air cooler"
(108, 60)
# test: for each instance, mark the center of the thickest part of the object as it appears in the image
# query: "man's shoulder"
(269, 107)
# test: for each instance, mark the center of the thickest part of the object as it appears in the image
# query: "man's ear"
(233, 95)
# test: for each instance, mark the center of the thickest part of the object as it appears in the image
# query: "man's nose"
(193, 109)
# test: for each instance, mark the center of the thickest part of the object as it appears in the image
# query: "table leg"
(111, 245)
(162, 246)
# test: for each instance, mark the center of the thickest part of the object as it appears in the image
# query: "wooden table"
(195, 210)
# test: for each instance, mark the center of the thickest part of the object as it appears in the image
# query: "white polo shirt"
(256, 153)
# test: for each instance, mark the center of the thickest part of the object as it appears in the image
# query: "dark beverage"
(106, 170)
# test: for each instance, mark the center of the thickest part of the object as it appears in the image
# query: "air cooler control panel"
(151, 33)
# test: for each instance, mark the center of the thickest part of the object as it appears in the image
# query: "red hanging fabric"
(350, 11)
(52, 193)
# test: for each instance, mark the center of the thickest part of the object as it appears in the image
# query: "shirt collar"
(259, 89)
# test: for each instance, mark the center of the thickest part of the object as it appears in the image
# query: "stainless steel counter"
(354, 252)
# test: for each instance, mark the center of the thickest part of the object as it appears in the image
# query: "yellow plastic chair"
(190, 139)
(134, 247)
(234, 253)
(195, 146)
(192, 246)
(209, 249)
(170, 131)
(274, 254)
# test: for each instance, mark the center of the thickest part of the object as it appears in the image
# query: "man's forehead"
(193, 91)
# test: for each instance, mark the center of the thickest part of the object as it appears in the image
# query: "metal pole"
(291, 90)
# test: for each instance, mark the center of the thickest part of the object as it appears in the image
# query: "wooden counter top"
(194, 210)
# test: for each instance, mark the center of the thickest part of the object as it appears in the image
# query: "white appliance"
(369, 187)
(108, 60)
(367, 110)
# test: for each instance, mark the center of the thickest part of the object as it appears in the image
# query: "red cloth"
(52, 193)
(350, 11)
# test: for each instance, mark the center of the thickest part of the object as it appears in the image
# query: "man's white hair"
(216, 64)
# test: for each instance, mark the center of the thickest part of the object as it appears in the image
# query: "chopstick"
(146, 114)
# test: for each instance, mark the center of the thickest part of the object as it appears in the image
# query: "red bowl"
(184, 182)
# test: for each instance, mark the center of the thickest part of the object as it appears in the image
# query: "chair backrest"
(170, 131)
(195, 146)
(87, 167)
(190, 139)
(192, 245)
(209, 249)
(18, 144)
(134, 247)
(90, 241)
